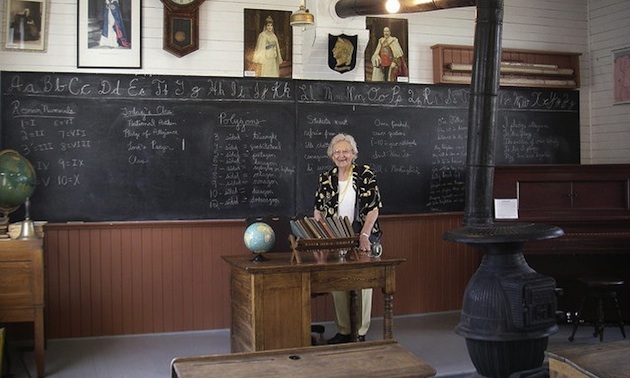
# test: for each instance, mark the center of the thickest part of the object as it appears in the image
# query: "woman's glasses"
(340, 152)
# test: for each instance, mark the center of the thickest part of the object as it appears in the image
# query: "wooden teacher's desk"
(271, 300)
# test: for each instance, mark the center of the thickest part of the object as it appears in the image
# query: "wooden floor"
(430, 337)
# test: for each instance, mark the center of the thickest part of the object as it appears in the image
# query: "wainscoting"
(152, 277)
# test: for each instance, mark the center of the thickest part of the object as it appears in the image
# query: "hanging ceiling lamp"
(392, 6)
(302, 17)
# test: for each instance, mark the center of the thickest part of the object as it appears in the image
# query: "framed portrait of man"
(268, 47)
(386, 54)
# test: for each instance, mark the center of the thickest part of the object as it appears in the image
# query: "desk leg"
(353, 315)
(388, 317)
(38, 325)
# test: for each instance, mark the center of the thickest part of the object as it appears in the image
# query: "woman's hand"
(364, 242)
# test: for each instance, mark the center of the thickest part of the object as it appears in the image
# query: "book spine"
(340, 226)
(295, 229)
(329, 232)
(312, 228)
(331, 224)
(305, 230)
(348, 225)
(320, 228)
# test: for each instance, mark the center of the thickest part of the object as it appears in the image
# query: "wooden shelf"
(452, 64)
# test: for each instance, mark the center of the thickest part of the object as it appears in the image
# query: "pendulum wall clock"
(181, 26)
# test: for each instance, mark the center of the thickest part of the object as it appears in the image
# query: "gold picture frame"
(276, 62)
(396, 41)
(25, 26)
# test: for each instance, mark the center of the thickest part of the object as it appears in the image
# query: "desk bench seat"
(587, 361)
(367, 359)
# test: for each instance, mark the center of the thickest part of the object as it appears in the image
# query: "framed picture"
(621, 72)
(268, 44)
(26, 25)
(108, 34)
(386, 55)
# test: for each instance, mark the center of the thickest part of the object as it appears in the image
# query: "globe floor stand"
(259, 257)
(508, 311)
(4, 227)
(4, 221)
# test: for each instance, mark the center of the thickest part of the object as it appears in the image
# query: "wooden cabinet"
(452, 64)
(269, 311)
(573, 196)
(591, 203)
(567, 193)
(22, 289)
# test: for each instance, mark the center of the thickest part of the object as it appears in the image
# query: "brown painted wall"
(151, 277)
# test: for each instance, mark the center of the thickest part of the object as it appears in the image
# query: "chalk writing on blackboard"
(119, 147)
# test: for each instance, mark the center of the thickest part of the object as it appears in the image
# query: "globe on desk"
(17, 183)
(259, 238)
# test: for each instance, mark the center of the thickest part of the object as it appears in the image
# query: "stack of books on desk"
(329, 228)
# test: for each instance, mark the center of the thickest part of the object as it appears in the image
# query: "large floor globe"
(17, 183)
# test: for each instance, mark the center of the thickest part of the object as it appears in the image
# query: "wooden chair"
(597, 290)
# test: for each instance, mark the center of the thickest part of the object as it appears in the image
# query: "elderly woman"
(350, 189)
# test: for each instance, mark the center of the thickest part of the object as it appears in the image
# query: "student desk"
(595, 360)
(385, 358)
(22, 288)
(271, 300)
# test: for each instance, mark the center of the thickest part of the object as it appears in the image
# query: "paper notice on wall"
(506, 208)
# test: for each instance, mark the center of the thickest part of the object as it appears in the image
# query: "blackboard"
(110, 147)
(414, 136)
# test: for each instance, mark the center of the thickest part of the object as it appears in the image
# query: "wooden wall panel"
(152, 277)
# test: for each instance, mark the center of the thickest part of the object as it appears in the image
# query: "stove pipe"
(508, 310)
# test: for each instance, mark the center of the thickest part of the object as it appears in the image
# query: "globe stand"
(4, 222)
(4, 226)
(259, 257)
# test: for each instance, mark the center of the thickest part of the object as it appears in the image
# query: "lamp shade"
(302, 17)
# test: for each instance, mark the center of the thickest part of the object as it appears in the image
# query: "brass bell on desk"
(28, 230)
(28, 227)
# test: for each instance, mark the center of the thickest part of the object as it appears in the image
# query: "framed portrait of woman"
(268, 44)
(108, 34)
(26, 25)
